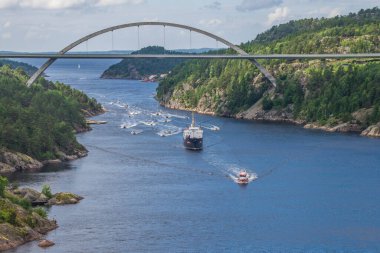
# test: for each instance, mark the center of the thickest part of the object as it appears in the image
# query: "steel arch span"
(240, 51)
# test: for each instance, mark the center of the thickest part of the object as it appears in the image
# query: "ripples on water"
(311, 191)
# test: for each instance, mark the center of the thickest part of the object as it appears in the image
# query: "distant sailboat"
(78, 66)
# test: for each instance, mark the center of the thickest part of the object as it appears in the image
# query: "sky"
(50, 25)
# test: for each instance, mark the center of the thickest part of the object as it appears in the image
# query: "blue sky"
(49, 25)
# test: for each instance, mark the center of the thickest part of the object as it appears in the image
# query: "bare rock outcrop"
(30, 195)
(45, 243)
(17, 161)
(372, 131)
(64, 198)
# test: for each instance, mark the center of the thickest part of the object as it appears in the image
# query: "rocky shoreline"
(29, 224)
(11, 161)
(256, 113)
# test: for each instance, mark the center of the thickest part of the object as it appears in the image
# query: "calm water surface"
(315, 192)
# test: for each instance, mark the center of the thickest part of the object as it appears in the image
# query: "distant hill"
(29, 69)
(338, 95)
(138, 69)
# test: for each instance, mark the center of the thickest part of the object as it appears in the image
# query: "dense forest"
(40, 121)
(322, 91)
(137, 69)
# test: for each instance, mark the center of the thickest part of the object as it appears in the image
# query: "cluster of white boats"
(137, 120)
(161, 122)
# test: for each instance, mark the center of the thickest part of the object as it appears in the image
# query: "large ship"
(193, 136)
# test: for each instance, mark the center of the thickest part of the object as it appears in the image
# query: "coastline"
(12, 236)
(286, 117)
(12, 161)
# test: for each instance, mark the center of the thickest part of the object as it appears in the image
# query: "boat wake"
(148, 123)
(211, 127)
(128, 125)
(135, 132)
(169, 131)
(233, 173)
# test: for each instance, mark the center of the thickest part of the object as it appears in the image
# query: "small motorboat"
(243, 177)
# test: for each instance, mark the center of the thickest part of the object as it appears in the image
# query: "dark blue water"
(315, 192)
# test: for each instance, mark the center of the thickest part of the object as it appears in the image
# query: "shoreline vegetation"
(39, 123)
(38, 127)
(329, 95)
(22, 217)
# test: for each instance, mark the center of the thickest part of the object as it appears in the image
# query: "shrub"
(267, 103)
(3, 184)
(47, 191)
(24, 203)
(40, 211)
(8, 215)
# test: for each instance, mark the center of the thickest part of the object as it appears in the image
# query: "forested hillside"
(137, 69)
(40, 121)
(324, 92)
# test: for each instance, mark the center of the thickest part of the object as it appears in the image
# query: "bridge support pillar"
(37, 74)
(265, 72)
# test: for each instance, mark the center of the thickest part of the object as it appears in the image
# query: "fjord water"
(315, 192)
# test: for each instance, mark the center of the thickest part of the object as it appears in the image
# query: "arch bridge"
(240, 53)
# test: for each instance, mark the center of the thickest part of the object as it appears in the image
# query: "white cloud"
(6, 35)
(210, 22)
(333, 13)
(7, 3)
(50, 4)
(7, 24)
(214, 5)
(252, 5)
(279, 14)
(63, 4)
(117, 2)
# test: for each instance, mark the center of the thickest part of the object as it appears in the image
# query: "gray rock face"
(64, 198)
(18, 161)
(45, 243)
(348, 127)
(30, 195)
(5, 168)
(372, 131)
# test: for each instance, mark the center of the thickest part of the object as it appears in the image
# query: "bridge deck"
(187, 56)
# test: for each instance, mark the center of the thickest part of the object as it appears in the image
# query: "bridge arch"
(240, 51)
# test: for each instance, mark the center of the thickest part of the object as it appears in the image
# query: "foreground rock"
(30, 195)
(64, 198)
(20, 225)
(38, 198)
(45, 243)
(11, 161)
(15, 161)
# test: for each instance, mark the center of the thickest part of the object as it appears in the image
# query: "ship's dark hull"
(193, 143)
